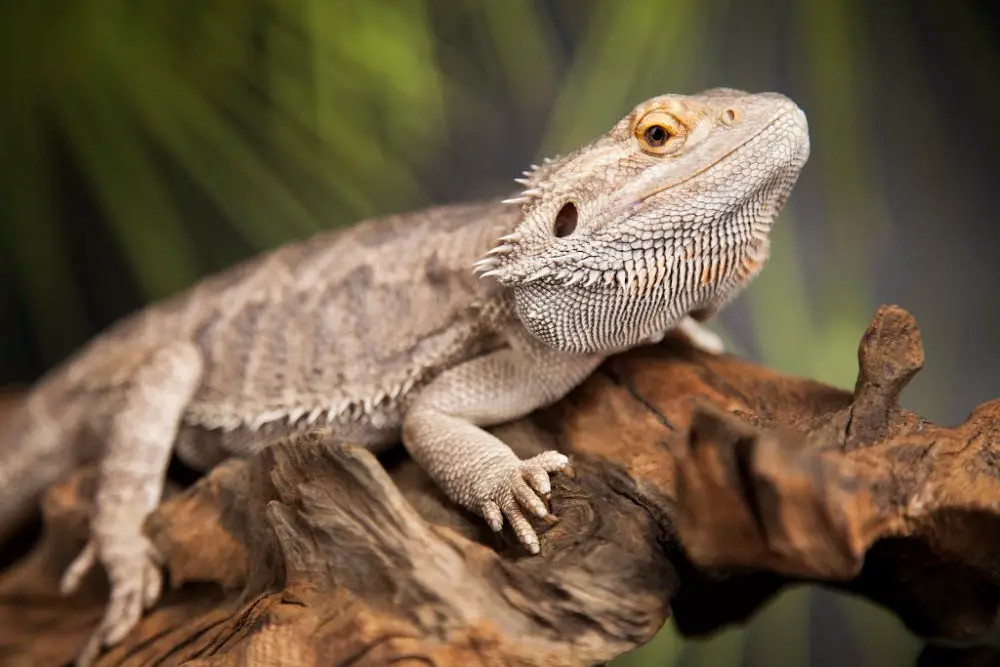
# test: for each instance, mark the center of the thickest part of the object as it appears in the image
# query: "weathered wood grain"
(700, 486)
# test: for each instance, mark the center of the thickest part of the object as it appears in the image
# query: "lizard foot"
(701, 337)
(133, 568)
(517, 484)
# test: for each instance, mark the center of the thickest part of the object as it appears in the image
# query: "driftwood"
(700, 486)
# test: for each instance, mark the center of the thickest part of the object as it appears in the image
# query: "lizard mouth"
(722, 158)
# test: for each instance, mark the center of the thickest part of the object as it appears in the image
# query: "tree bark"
(700, 486)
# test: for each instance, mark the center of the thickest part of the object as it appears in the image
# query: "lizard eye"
(656, 136)
(655, 131)
(565, 223)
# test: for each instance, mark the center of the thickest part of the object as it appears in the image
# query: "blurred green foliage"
(287, 116)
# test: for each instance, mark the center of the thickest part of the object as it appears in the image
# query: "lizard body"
(393, 330)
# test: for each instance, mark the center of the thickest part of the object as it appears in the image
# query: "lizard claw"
(520, 486)
(133, 568)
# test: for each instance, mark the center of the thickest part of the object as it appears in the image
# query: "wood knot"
(890, 354)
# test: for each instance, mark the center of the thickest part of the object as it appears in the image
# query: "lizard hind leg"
(130, 481)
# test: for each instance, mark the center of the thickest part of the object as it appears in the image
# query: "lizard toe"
(152, 579)
(123, 612)
(78, 568)
(517, 494)
(539, 482)
(537, 469)
(133, 582)
(494, 517)
(550, 461)
(527, 497)
(520, 489)
(136, 581)
(522, 528)
(152, 585)
(90, 651)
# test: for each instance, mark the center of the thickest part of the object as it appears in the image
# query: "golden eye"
(655, 131)
(656, 135)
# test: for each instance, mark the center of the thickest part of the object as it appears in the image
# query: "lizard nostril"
(565, 223)
(731, 116)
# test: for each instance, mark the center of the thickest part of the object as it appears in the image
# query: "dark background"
(143, 145)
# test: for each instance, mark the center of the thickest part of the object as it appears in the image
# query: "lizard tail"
(35, 451)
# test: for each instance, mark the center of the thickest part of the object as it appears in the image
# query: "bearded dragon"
(427, 327)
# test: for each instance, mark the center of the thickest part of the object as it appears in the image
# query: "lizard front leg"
(697, 334)
(441, 430)
(130, 481)
(700, 336)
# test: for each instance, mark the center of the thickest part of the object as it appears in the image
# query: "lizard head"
(667, 214)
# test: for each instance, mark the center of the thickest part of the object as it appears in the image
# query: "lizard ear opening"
(565, 223)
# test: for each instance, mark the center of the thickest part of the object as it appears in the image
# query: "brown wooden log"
(700, 486)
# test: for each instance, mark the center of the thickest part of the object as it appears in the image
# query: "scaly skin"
(384, 331)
